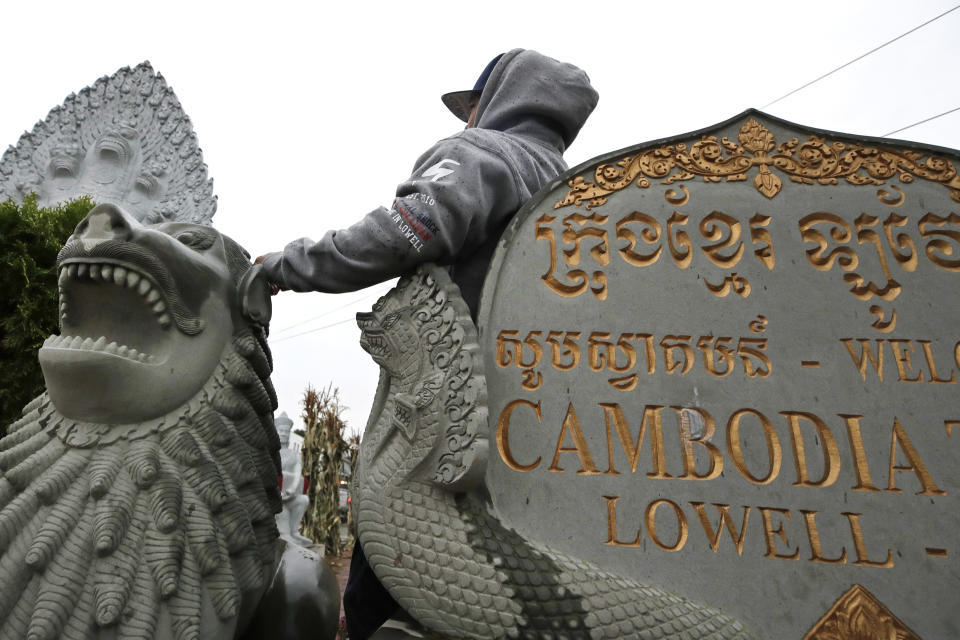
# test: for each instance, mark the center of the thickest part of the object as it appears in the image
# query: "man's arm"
(457, 195)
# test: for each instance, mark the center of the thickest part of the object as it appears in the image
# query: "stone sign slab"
(727, 364)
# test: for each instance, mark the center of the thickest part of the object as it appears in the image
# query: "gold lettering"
(612, 525)
(758, 233)
(862, 289)
(682, 530)
(902, 359)
(939, 247)
(769, 532)
(623, 344)
(602, 352)
(861, 548)
(504, 356)
(681, 249)
(544, 232)
(596, 356)
(900, 440)
(710, 228)
(866, 355)
(734, 448)
(503, 435)
(860, 465)
(612, 413)
(598, 251)
(816, 552)
(671, 343)
(831, 453)
(928, 354)
(844, 256)
(716, 351)
(745, 352)
(650, 234)
(535, 347)
(572, 424)
(907, 260)
(570, 349)
(687, 441)
(651, 355)
(713, 537)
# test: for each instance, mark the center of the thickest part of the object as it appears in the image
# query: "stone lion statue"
(138, 493)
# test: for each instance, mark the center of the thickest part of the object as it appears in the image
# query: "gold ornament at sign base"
(817, 159)
(858, 615)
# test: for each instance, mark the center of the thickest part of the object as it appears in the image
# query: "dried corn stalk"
(323, 450)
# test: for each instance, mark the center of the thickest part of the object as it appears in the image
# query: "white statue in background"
(291, 494)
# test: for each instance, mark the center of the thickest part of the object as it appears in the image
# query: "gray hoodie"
(463, 191)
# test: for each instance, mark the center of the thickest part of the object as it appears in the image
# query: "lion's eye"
(196, 240)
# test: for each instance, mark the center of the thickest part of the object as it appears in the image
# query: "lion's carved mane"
(163, 528)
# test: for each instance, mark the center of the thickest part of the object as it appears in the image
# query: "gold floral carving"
(815, 160)
(857, 615)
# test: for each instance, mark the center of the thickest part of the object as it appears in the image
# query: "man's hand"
(274, 288)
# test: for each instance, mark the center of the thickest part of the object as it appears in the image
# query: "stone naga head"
(145, 314)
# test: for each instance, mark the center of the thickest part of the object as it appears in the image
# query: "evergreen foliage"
(30, 238)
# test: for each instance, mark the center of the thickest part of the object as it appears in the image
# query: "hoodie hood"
(532, 95)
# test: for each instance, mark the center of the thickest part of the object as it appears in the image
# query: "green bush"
(30, 238)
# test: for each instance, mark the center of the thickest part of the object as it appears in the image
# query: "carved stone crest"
(125, 140)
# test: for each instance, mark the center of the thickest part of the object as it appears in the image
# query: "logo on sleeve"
(438, 170)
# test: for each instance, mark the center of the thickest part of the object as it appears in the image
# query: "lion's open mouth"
(111, 307)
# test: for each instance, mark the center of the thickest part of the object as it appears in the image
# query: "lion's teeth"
(81, 270)
(142, 357)
(144, 286)
(111, 348)
(100, 343)
(133, 354)
(87, 343)
(72, 270)
(94, 272)
(64, 275)
(119, 275)
(132, 279)
(123, 350)
(106, 272)
(75, 342)
(164, 321)
(159, 307)
(153, 296)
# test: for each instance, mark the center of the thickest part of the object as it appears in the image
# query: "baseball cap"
(459, 101)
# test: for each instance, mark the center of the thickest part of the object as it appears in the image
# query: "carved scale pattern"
(439, 547)
(125, 140)
(105, 528)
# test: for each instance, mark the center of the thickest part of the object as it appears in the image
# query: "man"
(521, 115)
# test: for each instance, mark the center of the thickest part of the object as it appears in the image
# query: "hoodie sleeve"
(459, 194)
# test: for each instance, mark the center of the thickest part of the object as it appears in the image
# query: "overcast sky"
(309, 114)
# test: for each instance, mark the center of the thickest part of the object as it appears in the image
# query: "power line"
(376, 293)
(303, 333)
(910, 126)
(874, 50)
